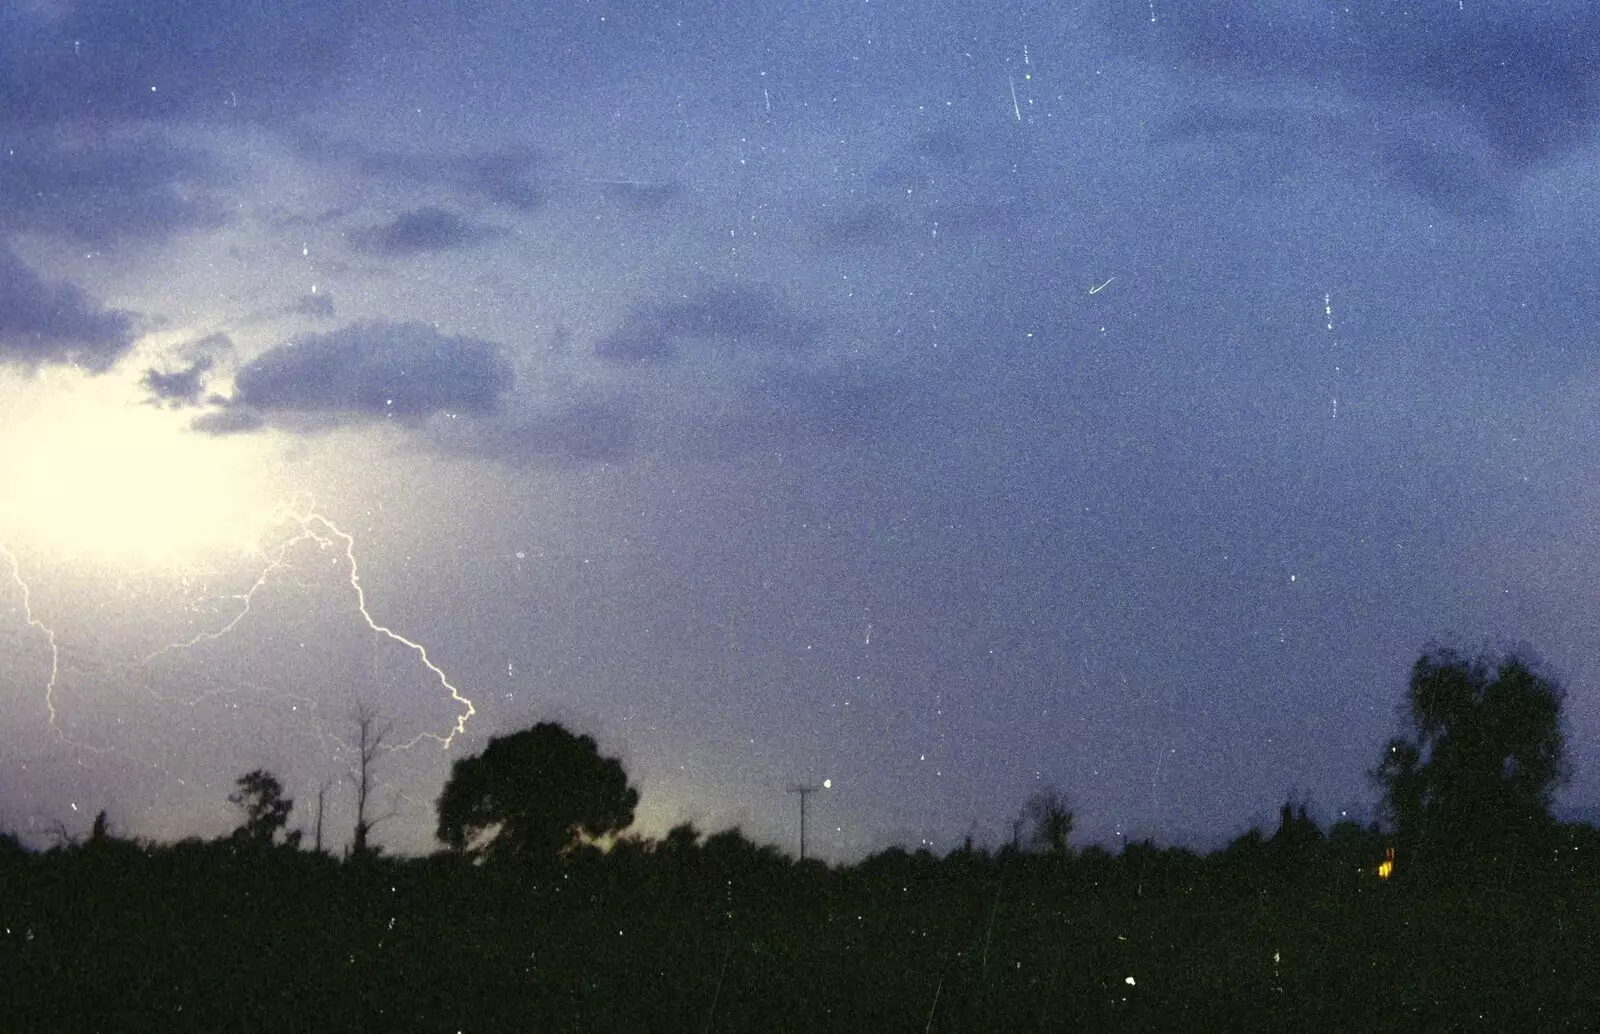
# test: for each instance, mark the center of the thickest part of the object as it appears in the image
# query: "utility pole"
(804, 790)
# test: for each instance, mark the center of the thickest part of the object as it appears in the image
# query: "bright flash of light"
(310, 526)
(89, 473)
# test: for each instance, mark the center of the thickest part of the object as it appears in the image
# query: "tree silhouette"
(681, 841)
(1475, 778)
(1051, 820)
(322, 799)
(533, 795)
(266, 809)
(11, 848)
(371, 736)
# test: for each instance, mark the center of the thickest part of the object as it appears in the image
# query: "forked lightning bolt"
(420, 650)
(49, 634)
(314, 527)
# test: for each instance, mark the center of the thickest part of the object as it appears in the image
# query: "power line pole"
(804, 790)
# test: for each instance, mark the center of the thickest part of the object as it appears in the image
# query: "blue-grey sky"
(940, 399)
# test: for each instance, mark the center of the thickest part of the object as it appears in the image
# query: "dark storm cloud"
(1246, 144)
(927, 160)
(784, 409)
(935, 184)
(502, 177)
(794, 408)
(181, 387)
(44, 322)
(182, 381)
(420, 230)
(1527, 73)
(1523, 79)
(211, 347)
(590, 431)
(508, 177)
(1456, 180)
(316, 306)
(90, 87)
(748, 318)
(94, 190)
(105, 61)
(374, 369)
(228, 421)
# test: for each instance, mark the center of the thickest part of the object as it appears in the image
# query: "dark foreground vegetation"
(1473, 909)
(1279, 933)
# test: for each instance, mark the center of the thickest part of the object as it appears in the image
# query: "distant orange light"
(1386, 867)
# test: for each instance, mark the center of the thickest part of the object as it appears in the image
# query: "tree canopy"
(532, 795)
(1051, 820)
(266, 809)
(1475, 777)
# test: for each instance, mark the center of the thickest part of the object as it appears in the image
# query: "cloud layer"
(736, 316)
(420, 230)
(1456, 97)
(370, 370)
(43, 321)
(101, 62)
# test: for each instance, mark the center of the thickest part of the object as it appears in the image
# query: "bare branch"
(371, 734)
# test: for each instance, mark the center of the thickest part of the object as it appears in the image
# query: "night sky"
(943, 399)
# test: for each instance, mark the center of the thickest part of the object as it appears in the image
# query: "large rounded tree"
(1473, 783)
(532, 795)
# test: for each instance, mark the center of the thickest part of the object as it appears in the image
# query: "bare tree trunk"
(322, 793)
(370, 737)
